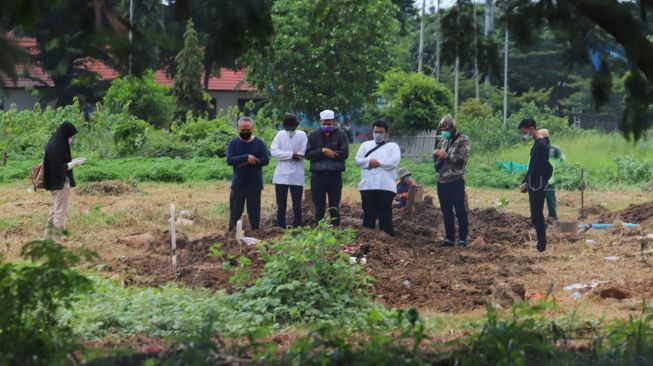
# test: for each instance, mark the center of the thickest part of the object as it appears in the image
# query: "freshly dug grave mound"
(411, 269)
(107, 188)
(636, 214)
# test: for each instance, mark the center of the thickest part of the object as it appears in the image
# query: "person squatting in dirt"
(451, 155)
(403, 183)
(247, 155)
(59, 180)
(378, 160)
(536, 179)
(327, 150)
(289, 147)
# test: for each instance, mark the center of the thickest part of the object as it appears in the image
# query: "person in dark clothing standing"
(451, 157)
(58, 179)
(247, 155)
(327, 149)
(536, 179)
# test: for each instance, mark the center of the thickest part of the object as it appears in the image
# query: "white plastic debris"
(184, 213)
(352, 260)
(406, 283)
(30, 190)
(612, 258)
(576, 295)
(249, 241)
(363, 260)
(574, 286)
(590, 242)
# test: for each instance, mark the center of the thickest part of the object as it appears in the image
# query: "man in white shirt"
(288, 147)
(378, 160)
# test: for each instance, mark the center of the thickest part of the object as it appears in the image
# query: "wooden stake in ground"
(173, 238)
(4, 158)
(582, 194)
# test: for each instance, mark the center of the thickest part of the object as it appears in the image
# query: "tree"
(226, 29)
(414, 101)
(324, 54)
(586, 26)
(188, 90)
(142, 98)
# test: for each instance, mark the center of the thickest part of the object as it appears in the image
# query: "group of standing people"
(382, 185)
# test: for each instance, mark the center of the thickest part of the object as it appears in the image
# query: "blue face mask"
(446, 134)
(327, 129)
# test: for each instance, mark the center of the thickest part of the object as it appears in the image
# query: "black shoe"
(447, 243)
(462, 243)
(541, 248)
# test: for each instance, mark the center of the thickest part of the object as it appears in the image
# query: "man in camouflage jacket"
(451, 155)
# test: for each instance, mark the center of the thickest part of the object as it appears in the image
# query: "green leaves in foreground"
(30, 295)
(307, 278)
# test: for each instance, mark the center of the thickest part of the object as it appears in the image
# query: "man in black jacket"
(327, 149)
(536, 179)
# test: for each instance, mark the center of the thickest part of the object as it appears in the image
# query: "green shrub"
(130, 135)
(415, 102)
(209, 138)
(142, 98)
(160, 174)
(472, 109)
(31, 295)
(306, 278)
(631, 171)
(94, 174)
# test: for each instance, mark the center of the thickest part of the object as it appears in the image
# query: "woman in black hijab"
(58, 178)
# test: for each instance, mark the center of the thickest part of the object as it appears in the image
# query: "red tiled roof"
(229, 80)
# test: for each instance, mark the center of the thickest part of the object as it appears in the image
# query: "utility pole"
(131, 25)
(438, 35)
(476, 73)
(505, 80)
(489, 28)
(420, 56)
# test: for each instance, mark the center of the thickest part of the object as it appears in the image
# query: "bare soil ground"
(127, 226)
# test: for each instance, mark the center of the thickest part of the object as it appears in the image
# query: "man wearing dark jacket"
(536, 179)
(327, 149)
(247, 155)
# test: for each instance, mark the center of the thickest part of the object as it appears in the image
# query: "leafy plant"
(142, 98)
(306, 278)
(31, 295)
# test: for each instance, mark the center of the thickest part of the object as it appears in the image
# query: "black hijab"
(57, 157)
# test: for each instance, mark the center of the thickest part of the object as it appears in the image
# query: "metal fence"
(417, 147)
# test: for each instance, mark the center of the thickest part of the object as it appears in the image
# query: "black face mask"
(245, 135)
(547, 140)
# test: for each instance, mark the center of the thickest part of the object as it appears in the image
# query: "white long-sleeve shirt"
(383, 176)
(288, 171)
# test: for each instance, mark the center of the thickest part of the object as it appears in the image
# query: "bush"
(31, 295)
(94, 174)
(306, 278)
(142, 98)
(209, 138)
(415, 102)
(473, 109)
(130, 135)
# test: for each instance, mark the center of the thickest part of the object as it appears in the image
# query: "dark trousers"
(452, 197)
(282, 198)
(378, 204)
(237, 200)
(536, 200)
(325, 185)
(551, 201)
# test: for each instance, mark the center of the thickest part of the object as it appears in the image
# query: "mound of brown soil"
(411, 269)
(107, 187)
(634, 214)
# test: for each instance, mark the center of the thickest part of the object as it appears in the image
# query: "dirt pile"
(107, 188)
(412, 268)
(634, 214)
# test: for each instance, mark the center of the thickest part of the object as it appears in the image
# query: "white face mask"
(527, 136)
(379, 137)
